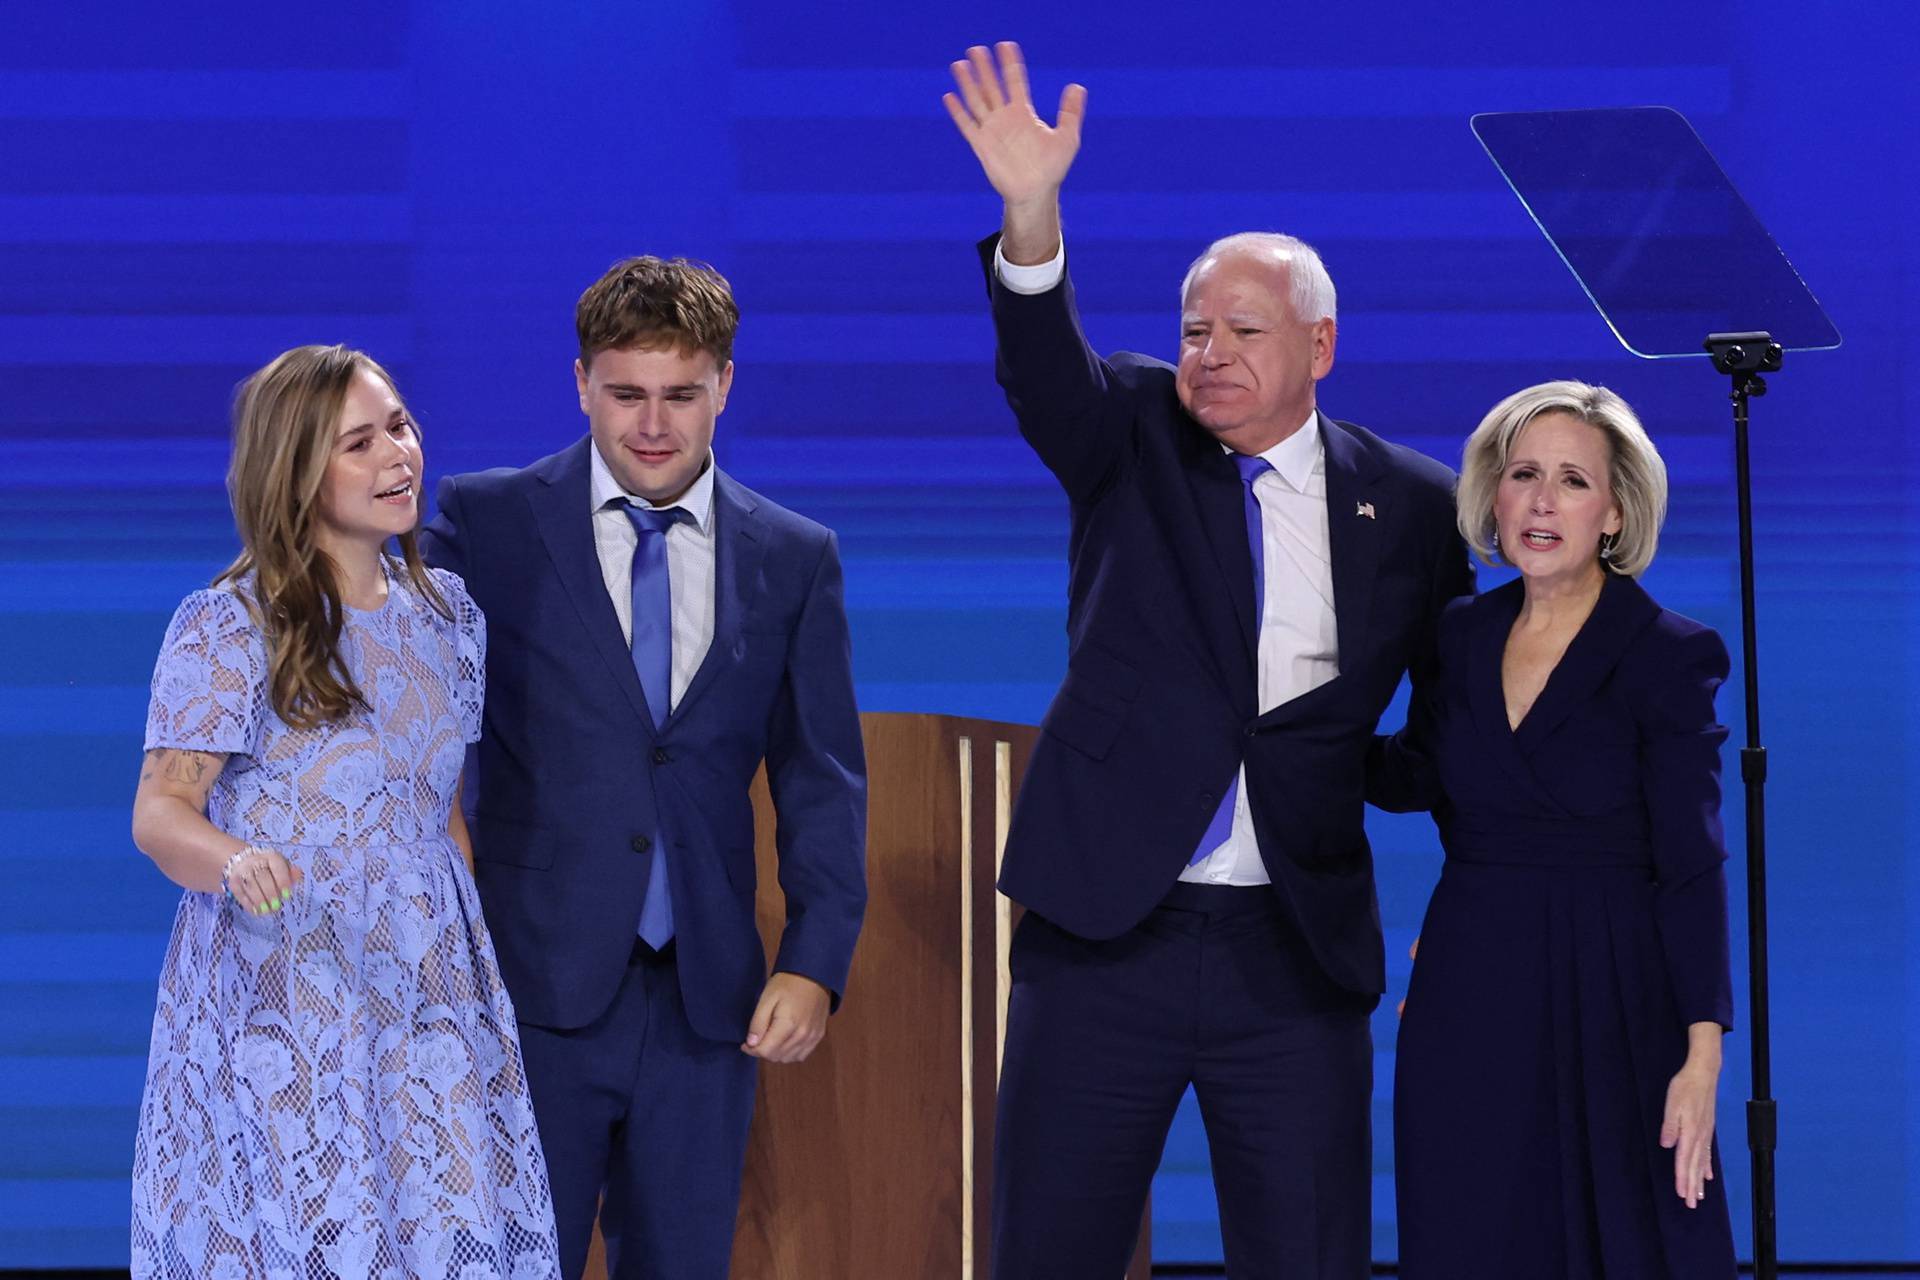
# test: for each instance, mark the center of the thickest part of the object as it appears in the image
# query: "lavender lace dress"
(335, 1090)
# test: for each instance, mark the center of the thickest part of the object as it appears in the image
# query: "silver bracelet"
(227, 870)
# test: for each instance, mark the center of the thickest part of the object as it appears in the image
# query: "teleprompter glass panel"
(1652, 228)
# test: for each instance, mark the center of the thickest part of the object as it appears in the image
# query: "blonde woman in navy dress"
(334, 1087)
(1560, 1053)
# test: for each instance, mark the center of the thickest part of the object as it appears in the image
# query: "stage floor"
(1800, 1271)
(1825, 1271)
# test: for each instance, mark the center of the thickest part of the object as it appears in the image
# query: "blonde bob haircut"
(1636, 473)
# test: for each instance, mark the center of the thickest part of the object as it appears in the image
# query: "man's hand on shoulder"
(790, 1020)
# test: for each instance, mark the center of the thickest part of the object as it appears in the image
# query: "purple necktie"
(653, 663)
(1221, 828)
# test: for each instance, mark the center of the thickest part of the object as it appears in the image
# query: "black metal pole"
(1744, 356)
(1762, 1119)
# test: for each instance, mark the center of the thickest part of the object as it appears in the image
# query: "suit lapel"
(739, 543)
(1354, 532)
(1220, 570)
(1486, 691)
(1620, 613)
(1221, 501)
(561, 509)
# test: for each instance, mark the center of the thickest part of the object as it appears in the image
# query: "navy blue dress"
(1579, 926)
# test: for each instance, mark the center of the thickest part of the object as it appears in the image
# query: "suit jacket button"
(641, 844)
(660, 755)
(1208, 800)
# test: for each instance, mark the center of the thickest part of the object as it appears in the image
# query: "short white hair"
(1309, 285)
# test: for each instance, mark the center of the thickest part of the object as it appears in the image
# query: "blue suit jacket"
(573, 781)
(1160, 703)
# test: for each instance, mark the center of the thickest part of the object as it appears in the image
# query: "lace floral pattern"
(335, 1090)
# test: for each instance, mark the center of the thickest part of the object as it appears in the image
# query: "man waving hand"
(1249, 579)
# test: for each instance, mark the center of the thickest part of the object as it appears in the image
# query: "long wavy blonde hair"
(285, 417)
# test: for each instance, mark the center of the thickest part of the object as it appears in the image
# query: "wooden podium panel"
(872, 1159)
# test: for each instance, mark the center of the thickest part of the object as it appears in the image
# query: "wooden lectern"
(873, 1159)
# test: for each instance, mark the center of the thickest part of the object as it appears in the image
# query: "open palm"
(1025, 159)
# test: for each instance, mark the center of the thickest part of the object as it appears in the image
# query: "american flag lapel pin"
(1363, 509)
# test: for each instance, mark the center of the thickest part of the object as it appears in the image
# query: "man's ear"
(1325, 334)
(726, 385)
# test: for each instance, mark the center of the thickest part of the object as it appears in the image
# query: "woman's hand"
(261, 880)
(1687, 1129)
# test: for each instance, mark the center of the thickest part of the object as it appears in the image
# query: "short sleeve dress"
(335, 1089)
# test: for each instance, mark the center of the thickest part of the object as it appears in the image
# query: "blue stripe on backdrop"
(780, 156)
(1424, 94)
(194, 339)
(71, 96)
(89, 219)
(1142, 274)
(199, 279)
(185, 195)
(1194, 213)
(1389, 337)
(93, 36)
(222, 157)
(1391, 37)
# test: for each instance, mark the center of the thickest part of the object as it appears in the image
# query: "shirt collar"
(1296, 458)
(696, 501)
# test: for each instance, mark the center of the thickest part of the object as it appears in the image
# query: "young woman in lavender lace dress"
(334, 1087)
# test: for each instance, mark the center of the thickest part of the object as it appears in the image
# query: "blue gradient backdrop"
(186, 190)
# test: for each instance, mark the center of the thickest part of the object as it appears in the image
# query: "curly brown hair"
(284, 419)
(653, 302)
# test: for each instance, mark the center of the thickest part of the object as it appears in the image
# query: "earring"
(1607, 542)
(1496, 539)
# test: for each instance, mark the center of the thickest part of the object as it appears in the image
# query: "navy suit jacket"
(574, 782)
(1159, 707)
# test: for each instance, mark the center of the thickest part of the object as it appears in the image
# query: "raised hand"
(1025, 159)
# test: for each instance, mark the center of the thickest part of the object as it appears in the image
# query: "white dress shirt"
(689, 563)
(1038, 278)
(1299, 644)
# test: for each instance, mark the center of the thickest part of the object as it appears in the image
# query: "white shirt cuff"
(1035, 279)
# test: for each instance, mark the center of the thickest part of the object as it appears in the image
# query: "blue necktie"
(653, 661)
(1221, 828)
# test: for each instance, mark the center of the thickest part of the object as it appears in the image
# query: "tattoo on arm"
(194, 769)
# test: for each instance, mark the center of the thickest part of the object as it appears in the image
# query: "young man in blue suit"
(655, 631)
(1248, 582)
